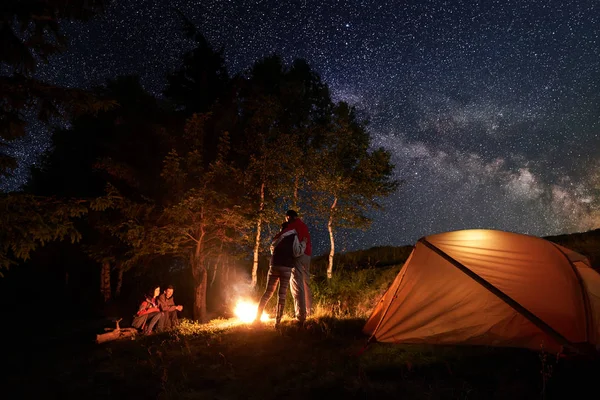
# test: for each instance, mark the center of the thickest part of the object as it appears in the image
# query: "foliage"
(197, 215)
(282, 110)
(120, 148)
(30, 34)
(351, 294)
(355, 177)
(202, 78)
(197, 187)
(123, 146)
(28, 222)
(30, 29)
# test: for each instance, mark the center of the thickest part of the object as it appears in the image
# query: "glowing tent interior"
(494, 288)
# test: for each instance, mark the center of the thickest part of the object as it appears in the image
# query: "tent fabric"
(489, 287)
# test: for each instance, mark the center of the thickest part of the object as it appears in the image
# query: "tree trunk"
(115, 335)
(331, 240)
(200, 283)
(200, 276)
(296, 188)
(214, 272)
(225, 270)
(216, 269)
(119, 279)
(105, 281)
(258, 231)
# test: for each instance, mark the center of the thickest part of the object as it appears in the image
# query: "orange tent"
(495, 288)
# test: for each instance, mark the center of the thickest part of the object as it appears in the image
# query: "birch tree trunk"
(331, 239)
(258, 232)
(105, 281)
(296, 189)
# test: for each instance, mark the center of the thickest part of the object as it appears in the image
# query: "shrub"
(351, 294)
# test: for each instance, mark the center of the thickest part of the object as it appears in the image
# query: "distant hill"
(380, 256)
(586, 243)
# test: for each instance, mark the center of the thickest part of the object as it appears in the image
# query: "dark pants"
(153, 319)
(169, 320)
(146, 321)
(276, 275)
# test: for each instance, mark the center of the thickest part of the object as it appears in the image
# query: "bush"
(351, 294)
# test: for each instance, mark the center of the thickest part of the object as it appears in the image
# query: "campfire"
(245, 311)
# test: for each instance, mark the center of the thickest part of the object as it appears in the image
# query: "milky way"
(491, 109)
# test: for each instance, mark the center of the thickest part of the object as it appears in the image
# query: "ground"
(328, 359)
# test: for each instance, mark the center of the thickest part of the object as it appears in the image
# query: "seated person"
(166, 303)
(149, 314)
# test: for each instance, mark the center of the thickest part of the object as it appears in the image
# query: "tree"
(307, 113)
(201, 212)
(124, 147)
(261, 153)
(202, 79)
(30, 34)
(281, 109)
(350, 177)
(28, 222)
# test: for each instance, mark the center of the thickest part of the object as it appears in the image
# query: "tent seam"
(586, 300)
(502, 296)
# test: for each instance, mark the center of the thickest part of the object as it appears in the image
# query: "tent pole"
(504, 297)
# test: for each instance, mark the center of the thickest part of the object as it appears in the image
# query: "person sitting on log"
(169, 309)
(149, 314)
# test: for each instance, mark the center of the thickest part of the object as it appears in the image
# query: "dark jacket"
(283, 251)
(166, 304)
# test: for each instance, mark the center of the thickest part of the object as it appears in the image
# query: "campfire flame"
(245, 311)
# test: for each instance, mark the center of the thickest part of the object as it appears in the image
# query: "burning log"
(117, 333)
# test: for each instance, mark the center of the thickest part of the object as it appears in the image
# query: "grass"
(326, 359)
(226, 359)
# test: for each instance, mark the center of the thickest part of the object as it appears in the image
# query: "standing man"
(166, 303)
(280, 270)
(301, 272)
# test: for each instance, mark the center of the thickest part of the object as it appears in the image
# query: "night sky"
(491, 109)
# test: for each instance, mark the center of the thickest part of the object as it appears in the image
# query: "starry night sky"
(491, 109)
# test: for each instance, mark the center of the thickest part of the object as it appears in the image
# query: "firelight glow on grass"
(245, 311)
